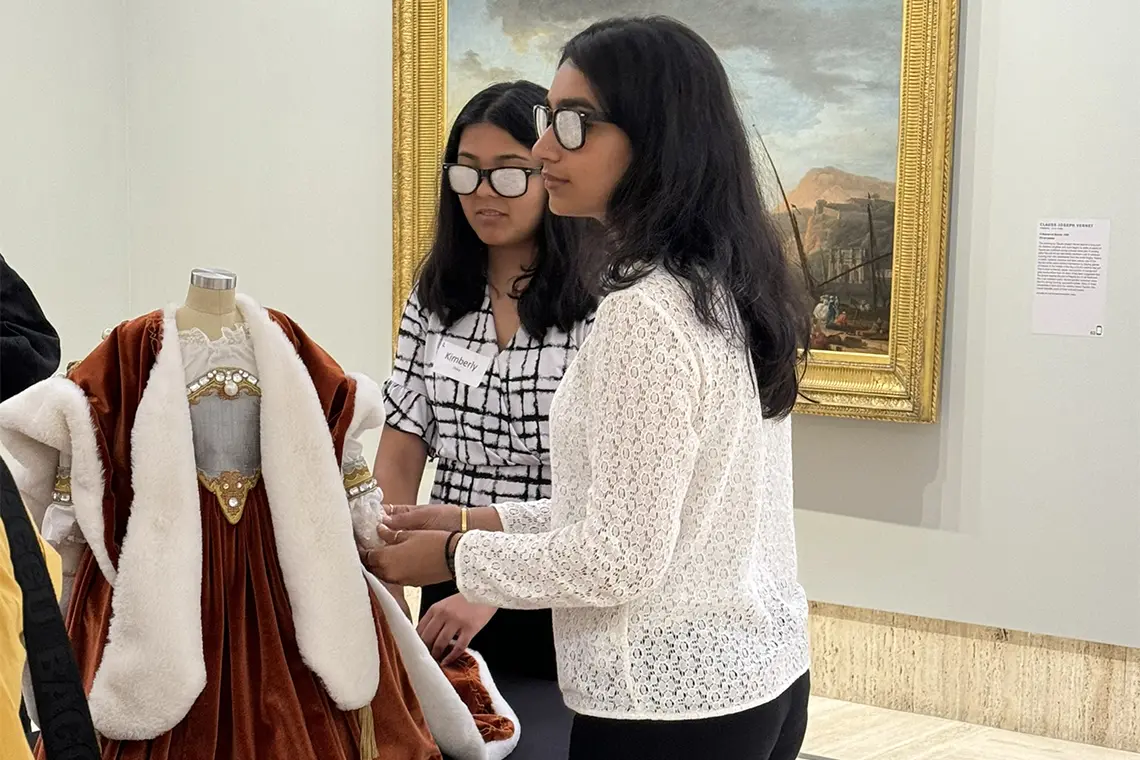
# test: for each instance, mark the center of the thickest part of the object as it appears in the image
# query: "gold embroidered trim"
(61, 491)
(357, 477)
(231, 489)
(227, 383)
(359, 482)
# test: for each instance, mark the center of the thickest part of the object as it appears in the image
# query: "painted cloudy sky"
(819, 78)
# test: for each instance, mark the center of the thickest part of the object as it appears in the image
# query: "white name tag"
(460, 364)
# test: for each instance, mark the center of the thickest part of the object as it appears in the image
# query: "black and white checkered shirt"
(490, 440)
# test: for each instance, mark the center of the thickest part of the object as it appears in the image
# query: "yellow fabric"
(13, 743)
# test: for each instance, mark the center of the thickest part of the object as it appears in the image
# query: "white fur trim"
(35, 426)
(315, 545)
(497, 750)
(153, 668)
(368, 407)
(450, 721)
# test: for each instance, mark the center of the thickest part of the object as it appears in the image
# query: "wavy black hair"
(690, 201)
(453, 278)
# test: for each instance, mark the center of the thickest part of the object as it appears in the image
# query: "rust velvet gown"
(261, 700)
(218, 610)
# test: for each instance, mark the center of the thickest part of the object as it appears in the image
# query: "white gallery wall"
(138, 140)
(1021, 509)
(260, 141)
(141, 139)
(63, 162)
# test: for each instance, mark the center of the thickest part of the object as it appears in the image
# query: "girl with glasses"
(496, 317)
(667, 549)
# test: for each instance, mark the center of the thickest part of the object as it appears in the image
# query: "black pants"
(772, 731)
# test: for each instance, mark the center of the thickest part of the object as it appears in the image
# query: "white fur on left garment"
(447, 716)
(152, 669)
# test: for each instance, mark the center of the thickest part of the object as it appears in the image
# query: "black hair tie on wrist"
(449, 552)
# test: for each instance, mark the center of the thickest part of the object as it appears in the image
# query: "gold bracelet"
(463, 519)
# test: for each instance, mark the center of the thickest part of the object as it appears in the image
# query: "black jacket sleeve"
(29, 345)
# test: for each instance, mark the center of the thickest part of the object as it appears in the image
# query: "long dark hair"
(452, 279)
(690, 201)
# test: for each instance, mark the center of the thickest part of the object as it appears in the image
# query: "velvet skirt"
(260, 701)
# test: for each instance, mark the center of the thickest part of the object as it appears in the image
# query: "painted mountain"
(845, 225)
(837, 186)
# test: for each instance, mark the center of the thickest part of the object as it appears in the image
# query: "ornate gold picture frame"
(881, 289)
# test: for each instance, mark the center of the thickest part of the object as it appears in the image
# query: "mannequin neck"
(208, 311)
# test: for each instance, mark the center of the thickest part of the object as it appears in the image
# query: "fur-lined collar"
(152, 669)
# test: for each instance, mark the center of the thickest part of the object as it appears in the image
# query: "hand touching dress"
(409, 557)
(448, 627)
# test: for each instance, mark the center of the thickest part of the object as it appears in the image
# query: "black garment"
(67, 730)
(514, 643)
(26, 722)
(29, 352)
(772, 731)
(29, 345)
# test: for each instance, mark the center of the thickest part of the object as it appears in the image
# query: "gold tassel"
(368, 748)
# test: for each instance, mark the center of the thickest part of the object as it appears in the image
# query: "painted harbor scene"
(817, 82)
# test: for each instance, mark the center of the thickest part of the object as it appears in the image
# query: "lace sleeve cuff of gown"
(365, 500)
(49, 433)
(59, 525)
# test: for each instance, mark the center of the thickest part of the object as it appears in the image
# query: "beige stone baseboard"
(1072, 690)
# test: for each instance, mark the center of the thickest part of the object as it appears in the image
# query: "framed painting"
(851, 103)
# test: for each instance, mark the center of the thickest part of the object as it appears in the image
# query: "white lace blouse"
(667, 548)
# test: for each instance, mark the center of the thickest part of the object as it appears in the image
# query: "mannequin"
(201, 473)
(211, 303)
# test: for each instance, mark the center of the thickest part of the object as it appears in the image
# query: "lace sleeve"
(641, 398)
(524, 516)
(61, 530)
(365, 499)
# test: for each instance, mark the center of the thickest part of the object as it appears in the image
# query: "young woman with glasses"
(667, 548)
(496, 317)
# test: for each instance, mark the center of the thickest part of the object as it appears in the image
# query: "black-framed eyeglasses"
(507, 181)
(569, 125)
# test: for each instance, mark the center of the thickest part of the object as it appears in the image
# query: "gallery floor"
(844, 731)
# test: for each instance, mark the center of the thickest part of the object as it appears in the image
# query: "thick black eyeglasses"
(569, 125)
(507, 181)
